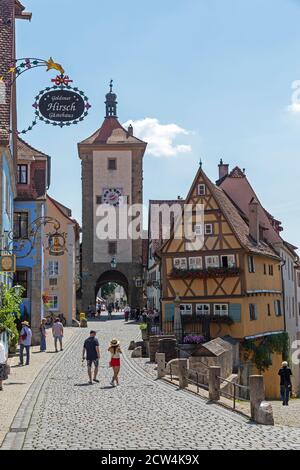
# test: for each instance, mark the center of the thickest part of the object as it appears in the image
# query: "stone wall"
(153, 344)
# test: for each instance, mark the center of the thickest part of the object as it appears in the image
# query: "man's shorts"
(91, 362)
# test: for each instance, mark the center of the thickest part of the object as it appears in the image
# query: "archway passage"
(114, 277)
(111, 292)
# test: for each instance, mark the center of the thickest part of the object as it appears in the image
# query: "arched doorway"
(110, 282)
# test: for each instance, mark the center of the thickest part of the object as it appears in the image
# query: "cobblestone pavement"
(20, 380)
(140, 414)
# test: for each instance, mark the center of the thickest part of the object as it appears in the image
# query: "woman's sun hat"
(25, 323)
(114, 342)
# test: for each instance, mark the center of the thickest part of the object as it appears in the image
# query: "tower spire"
(111, 102)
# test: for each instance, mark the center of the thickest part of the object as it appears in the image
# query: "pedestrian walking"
(127, 313)
(285, 374)
(91, 351)
(58, 334)
(43, 335)
(25, 343)
(109, 312)
(115, 361)
(3, 366)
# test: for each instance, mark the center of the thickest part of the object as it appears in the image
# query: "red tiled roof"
(24, 149)
(237, 173)
(239, 226)
(102, 135)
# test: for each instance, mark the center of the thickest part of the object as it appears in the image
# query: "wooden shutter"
(169, 312)
(235, 312)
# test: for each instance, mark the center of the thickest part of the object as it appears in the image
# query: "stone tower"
(112, 176)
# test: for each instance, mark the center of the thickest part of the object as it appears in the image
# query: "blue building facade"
(7, 195)
(33, 180)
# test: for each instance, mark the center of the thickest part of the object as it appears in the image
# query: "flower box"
(204, 273)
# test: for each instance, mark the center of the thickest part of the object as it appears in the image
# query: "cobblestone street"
(140, 414)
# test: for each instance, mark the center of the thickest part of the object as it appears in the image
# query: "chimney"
(130, 130)
(253, 220)
(223, 169)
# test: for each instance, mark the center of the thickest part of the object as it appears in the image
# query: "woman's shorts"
(115, 363)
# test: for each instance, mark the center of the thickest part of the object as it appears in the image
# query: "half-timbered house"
(232, 286)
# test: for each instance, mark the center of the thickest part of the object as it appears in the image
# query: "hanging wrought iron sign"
(61, 105)
(57, 244)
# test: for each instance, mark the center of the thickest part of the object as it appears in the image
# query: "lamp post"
(113, 263)
(177, 319)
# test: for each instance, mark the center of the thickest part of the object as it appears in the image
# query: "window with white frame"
(186, 309)
(228, 261)
(195, 262)
(202, 309)
(198, 229)
(180, 263)
(209, 229)
(212, 262)
(201, 190)
(221, 309)
(53, 268)
(53, 302)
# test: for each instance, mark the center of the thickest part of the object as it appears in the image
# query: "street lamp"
(113, 263)
(18, 289)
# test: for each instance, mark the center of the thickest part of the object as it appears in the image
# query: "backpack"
(24, 335)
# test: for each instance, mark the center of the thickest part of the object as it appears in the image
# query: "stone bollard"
(214, 383)
(183, 373)
(261, 411)
(137, 353)
(132, 346)
(161, 365)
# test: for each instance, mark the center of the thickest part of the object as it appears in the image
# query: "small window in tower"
(112, 164)
(112, 248)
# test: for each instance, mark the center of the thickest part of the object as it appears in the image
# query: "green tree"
(10, 300)
(108, 289)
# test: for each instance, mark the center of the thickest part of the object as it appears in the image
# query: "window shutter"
(235, 312)
(276, 308)
(169, 312)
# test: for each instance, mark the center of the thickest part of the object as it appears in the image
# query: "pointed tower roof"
(111, 131)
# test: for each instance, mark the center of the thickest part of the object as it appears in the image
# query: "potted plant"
(144, 330)
(192, 345)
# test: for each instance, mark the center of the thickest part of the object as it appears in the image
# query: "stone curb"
(15, 438)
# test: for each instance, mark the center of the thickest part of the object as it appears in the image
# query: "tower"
(112, 176)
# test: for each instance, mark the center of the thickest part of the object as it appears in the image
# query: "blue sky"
(220, 71)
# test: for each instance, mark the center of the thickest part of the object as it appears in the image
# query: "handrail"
(233, 383)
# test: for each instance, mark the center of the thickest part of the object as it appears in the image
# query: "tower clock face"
(112, 196)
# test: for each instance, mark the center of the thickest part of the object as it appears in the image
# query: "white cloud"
(160, 137)
(294, 108)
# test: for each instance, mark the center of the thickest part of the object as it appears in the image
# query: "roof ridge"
(30, 147)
